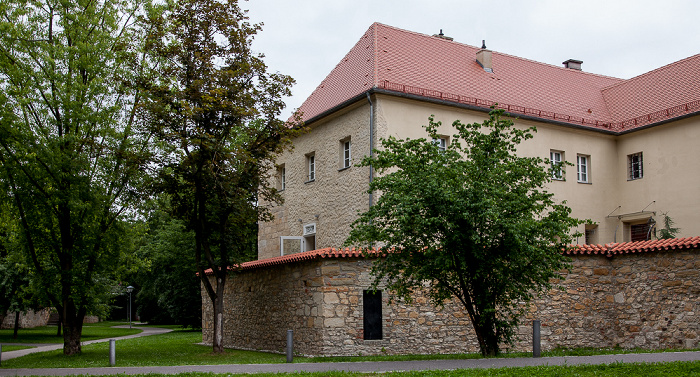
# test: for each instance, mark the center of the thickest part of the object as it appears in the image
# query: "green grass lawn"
(180, 348)
(13, 348)
(175, 348)
(47, 334)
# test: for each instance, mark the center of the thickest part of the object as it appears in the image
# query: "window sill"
(558, 179)
(310, 181)
(585, 183)
(634, 179)
(346, 168)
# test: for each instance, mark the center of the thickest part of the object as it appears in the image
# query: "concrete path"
(366, 367)
(53, 346)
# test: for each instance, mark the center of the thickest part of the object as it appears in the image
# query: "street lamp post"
(129, 289)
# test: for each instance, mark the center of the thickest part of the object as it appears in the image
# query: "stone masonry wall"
(649, 300)
(333, 199)
(27, 319)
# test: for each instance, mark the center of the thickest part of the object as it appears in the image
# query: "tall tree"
(216, 116)
(474, 221)
(170, 291)
(69, 153)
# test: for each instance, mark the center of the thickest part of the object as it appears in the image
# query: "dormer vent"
(443, 36)
(573, 64)
(483, 57)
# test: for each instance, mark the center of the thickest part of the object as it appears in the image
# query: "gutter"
(371, 144)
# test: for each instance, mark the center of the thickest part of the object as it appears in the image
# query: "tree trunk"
(218, 304)
(72, 330)
(16, 330)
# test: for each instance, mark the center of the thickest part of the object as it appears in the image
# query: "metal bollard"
(290, 345)
(536, 338)
(112, 352)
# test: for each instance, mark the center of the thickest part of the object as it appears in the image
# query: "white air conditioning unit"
(309, 229)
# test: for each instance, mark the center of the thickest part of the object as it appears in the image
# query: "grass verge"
(180, 348)
(175, 348)
(47, 334)
(674, 369)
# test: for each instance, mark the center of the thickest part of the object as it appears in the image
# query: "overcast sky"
(621, 38)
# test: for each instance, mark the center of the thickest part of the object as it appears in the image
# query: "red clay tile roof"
(394, 59)
(636, 247)
(609, 249)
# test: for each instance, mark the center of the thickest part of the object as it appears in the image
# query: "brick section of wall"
(649, 300)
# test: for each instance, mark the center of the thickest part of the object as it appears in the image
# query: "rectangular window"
(281, 178)
(441, 143)
(640, 232)
(372, 314)
(345, 153)
(556, 158)
(311, 164)
(590, 234)
(635, 166)
(582, 170)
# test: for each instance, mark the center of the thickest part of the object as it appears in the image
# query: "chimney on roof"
(443, 36)
(483, 57)
(573, 64)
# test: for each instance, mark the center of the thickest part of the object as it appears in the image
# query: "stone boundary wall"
(648, 300)
(27, 319)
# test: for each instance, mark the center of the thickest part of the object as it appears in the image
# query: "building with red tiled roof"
(633, 146)
(632, 142)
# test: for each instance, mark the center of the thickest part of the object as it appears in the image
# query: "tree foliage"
(668, 231)
(169, 290)
(70, 158)
(214, 110)
(474, 222)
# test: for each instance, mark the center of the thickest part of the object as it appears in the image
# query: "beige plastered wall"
(671, 182)
(593, 200)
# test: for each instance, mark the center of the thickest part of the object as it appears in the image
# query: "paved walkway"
(366, 367)
(53, 346)
(363, 367)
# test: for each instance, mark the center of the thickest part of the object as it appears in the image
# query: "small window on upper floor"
(583, 172)
(441, 143)
(556, 159)
(311, 166)
(345, 153)
(281, 177)
(635, 166)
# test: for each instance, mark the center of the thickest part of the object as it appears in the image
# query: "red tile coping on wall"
(609, 249)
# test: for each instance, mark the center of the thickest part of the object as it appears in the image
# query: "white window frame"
(635, 169)
(556, 159)
(284, 177)
(302, 244)
(583, 168)
(441, 143)
(311, 166)
(347, 150)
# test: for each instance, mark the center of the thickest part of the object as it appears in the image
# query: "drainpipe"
(371, 143)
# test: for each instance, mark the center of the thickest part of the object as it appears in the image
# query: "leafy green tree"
(215, 114)
(473, 222)
(70, 157)
(170, 290)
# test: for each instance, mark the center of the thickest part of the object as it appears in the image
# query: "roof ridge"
(640, 76)
(574, 71)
